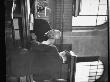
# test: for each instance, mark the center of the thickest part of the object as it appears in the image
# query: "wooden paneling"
(67, 15)
(52, 6)
(87, 43)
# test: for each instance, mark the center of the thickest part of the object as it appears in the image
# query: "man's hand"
(63, 56)
(72, 53)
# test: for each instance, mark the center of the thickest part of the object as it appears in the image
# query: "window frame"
(93, 26)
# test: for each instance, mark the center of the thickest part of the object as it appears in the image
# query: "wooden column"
(67, 15)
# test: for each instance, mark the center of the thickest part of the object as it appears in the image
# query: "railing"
(95, 67)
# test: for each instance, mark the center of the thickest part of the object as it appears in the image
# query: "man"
(47, 61)
(44, 34)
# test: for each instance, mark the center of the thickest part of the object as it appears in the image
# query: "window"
(88, 71)
(16, 29)
(92, 13)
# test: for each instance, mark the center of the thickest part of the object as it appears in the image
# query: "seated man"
(44, 34)
(45, 56)
(46, 63)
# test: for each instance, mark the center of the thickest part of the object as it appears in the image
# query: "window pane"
(88, 20)
(103, 2)
(84, 21)
(101, 20)
(17, 36)
(89, 7)
(102, 10)
(15, 23)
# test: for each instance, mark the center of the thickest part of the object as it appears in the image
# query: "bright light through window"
(88, 71)
(92, 13)
(88, 20)
(89, 7)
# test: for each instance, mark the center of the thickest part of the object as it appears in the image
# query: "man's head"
(44, 32)
(53, 34)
